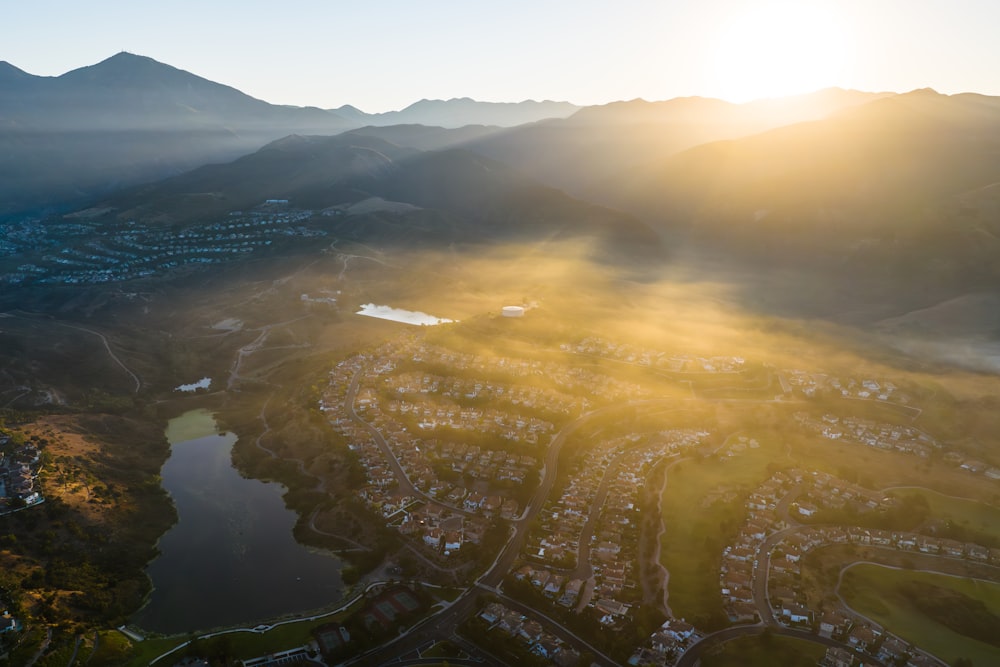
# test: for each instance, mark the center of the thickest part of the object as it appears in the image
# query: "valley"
(530, 438)
(642, 383)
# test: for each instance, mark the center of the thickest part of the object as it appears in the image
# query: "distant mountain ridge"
(128, 119)
(901, 194)
(130, 92)
(585, 152)
(65, 140)
(459, 112)
(450, 195)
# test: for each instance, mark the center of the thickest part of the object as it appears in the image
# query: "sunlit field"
(949, 616)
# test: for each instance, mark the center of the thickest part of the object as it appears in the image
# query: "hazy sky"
(385, 54)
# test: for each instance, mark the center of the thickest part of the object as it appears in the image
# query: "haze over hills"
(899, 187)
(126, 120)
(129, 119)
(610, 365)
(459, 112)
(582, 152)
(893, 202)
(459, 194)
(907, 175)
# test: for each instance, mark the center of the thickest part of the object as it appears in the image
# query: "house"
(553, 586)
(678, 629)
(491, 505)
(611, 607)
(510, 623)
(952, 548)
(473, 502)
(795, 613)
(977, 552)
(432, 537)
(540, 577)
(608, 549)
(493, 612)
(862, 637)
(530, 630)
(837, 657)
(546, 646)
(571, 592)
(741, 612)
(928, 545)
(452, 541)
(892, 649)
(566, 657)
(833, 622)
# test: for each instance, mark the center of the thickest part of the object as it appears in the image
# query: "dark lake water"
(231, 558)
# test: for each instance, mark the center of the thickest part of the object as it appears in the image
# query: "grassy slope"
(765, 651)
(874, 591)
(696, 535)
(966, 513)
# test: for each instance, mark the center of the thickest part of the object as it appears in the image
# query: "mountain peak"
(9, 71)
(126, 60)
(125, 68)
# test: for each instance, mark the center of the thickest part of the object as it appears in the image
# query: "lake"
(414, 317)
(231, 558)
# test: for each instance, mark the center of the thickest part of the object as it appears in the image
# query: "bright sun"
(778, 49)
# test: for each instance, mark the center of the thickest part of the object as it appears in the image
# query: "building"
(512, 311)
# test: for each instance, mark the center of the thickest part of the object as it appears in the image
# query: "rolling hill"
(452, 195)
(128, 119)
(898, 194)
(586, 151)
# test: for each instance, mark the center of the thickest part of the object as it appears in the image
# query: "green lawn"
(971, 516)
(242, 645)
(765, 651)
(697, 531)
(191, 425)
(887, 596)
(113, 648)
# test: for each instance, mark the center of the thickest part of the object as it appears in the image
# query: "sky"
(380, 55)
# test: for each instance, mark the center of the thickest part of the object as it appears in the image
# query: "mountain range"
(400, 193)
(903, 188)
(67, 140)
(894, 190)
(129, 119)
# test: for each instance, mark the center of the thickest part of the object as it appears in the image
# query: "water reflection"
(231, 557)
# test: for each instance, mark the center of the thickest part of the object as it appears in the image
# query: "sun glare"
(780, 49)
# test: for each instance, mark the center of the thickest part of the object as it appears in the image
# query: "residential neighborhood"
(68, 253)
(453, 443)
(18, 475)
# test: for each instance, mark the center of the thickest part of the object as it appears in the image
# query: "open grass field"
(702, 507)
(970, 515)
(765, 651)
(948, 616)
(242, 645)
(702, 501)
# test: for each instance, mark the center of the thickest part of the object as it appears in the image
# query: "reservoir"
(231, 558)
(414, 317)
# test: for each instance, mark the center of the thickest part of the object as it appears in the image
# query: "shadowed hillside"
(899, 190)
